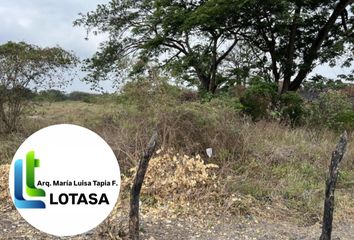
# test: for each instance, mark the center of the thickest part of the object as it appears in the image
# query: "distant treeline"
(57, 96)
(53, 95)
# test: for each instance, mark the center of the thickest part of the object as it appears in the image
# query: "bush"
(187, 126)
(13, 103)
(292, 108)
(333, 110)
(259, 98)
(51, 96)
(194, 127)
(146, 92)
(345, 120)
(320, 83)
(82, 96)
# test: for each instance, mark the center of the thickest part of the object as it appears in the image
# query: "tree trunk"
(136, 188)
(337, 157)
(203, 79)
(288, 71)
(214, 67)
(275, 71)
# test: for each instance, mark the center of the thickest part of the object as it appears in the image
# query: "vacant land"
(264, 181)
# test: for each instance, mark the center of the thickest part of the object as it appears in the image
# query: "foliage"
(296, 36)
(144, 91)
(191, 39)
(259, 98)
(292, 108)
(345, 120)
(13, 102)
(244, 64)
(319, 83)
(273, 166)
(333, 110)
(81, 96)
(262, 101)
(51, 95)
(217, 43)
(191, 125)
(23, 65)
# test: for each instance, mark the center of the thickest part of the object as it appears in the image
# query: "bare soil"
(12, 226)
(156, 226)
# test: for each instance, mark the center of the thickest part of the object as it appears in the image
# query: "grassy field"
(281, 169)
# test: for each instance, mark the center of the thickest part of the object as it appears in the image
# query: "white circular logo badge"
(64, 180)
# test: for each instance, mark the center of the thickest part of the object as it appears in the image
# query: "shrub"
(51, 96)
(320, 83)
(259, 98)
(193, 127)
(23, 66)
(187, 126)
(146, 92)
(345, 120)
(13, 103)
(333, 110)
(82, 96)
(292, 108)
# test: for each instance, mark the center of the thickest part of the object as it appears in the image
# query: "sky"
(48, 23)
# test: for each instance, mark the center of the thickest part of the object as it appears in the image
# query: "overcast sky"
(49, 23)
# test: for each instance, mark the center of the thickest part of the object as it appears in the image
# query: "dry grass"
(4, 191)
(265, 168)
(287, 167)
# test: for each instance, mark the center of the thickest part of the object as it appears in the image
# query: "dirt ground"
(155, 225)
(12, 226)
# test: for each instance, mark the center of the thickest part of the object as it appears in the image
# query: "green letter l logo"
(31, 164)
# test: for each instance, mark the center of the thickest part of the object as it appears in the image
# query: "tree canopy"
(195, 40)
(189, 38)
(23, 66)
(298, 35)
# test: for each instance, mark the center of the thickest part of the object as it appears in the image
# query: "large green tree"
(191, 39)
(24, 66)
(298, 35)
(196, 40)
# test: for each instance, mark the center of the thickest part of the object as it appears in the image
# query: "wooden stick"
(337, 157)
(136, 188)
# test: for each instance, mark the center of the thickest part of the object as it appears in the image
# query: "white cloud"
(24, 22)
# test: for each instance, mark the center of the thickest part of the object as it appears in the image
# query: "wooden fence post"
(337, 157)
(136, 188)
